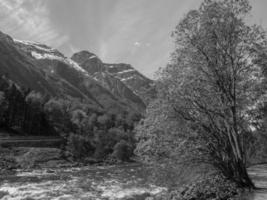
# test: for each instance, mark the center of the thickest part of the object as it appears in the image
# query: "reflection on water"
(113, 182)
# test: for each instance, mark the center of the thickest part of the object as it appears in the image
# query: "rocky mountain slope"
(124, 76)
(44, 69)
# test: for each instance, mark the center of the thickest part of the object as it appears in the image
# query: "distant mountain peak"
(84, 76)
(43, 52)
(5, 37)
(125, 73)
(83, 56)
(88, 61)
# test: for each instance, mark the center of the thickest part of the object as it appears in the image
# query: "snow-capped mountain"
(45, 69)
(125, 74)
(42, 52)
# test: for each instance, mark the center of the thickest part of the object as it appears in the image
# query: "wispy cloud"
(138, 44)
(72, 48)
(29, 19)
(127, 31)
(131, 31)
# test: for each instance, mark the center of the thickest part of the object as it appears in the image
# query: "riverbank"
(31, 157)
(13, 158)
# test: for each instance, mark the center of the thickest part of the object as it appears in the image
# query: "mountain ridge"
(47, 70)
(140, 85)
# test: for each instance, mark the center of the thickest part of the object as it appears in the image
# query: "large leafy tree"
(261, 60)
(212, 85)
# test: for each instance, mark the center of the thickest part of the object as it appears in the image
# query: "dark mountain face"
(88, 61)
(122, 79)
(44, 69)
(138, 83)
(20, 68)
(66, 76)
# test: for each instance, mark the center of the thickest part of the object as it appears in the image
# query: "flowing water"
(108, 182)
(259, 176)
(130, 181)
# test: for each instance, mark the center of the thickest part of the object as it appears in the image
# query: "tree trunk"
(241, 176)
(235, 170)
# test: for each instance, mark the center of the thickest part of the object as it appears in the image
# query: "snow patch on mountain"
(126, 79)
(62, 59)
(26, 42)
(91, 57)
(36, 45)
(126, 71)
(41, 51)
(75, 65)
(45, 56)
(96, 79)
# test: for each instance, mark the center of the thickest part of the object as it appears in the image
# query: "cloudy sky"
(130, 31)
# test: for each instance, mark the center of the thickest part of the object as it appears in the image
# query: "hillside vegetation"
(88, 131)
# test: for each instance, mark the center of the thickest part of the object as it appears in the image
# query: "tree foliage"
(89, 131)
(22, 110)
(212, 88)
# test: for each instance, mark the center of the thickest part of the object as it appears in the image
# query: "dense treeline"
(22, 110)
(89, 131)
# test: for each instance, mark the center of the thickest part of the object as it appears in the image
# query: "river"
(130, 181)
(259, 177)
(92, 182)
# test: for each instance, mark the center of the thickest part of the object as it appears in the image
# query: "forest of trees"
(22, 110)
(211, 104)
(89, 131)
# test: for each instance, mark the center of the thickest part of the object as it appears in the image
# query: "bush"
(123, 151)
(8, 163)
(35, 157)
(100, 153)
(211, 188)
(79, 146)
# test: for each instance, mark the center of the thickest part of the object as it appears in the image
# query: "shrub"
(211, 188)
(7, 161)
(99, 153)
(79, 146)
(123, 151)
(34, 156)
